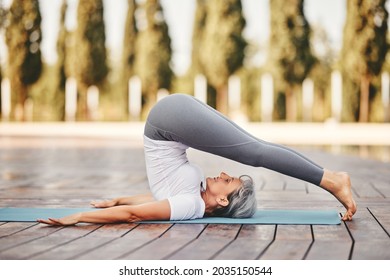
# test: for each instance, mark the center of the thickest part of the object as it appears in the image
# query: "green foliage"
(321, 76)
(61, 62)
(48, 101)
(218, 50)
(70, 49)
(183, 84)
(290, 56)
(366, 30)
(61, 47)
(250, 90)
(153, 52)
(128, 56)
(92, 67)
(197, 36)
(23, 38)
(2, 19)
(129, 40)
(351, 93)
(290, 48)
(89, 51)
(3, 14)
(223, 45)
(197, 49)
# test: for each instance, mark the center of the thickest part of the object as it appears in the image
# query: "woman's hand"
(65, 221)
(104, 204)
(157, 210)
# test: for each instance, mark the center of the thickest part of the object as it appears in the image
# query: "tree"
(23, 38)
(2, 19)
(131, 32)
(61, 60)
(223, 46)
(91, 52)
(61, 47)
(197, 36)
(366, 30)
(130, 37)
(153, 52)
(197, 41)
(290, 54)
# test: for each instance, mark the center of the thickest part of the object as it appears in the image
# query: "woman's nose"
(223, 175)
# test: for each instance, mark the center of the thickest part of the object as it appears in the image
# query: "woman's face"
(223, 184)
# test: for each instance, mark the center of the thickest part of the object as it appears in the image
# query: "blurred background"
(256, 61)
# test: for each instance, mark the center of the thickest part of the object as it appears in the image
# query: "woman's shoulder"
(186, 206)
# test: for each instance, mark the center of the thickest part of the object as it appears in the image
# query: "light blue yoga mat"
(297, 217)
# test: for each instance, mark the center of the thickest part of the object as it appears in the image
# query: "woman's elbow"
(132, 218)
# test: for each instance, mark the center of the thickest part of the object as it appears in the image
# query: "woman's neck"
(210, 203)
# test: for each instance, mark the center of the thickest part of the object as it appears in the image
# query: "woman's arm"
(158, 210)
(129, 200)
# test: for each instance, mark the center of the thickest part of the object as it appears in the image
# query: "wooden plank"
(291, 243)
(36, 246)
(94, 240)
(371, 241)
(365, 189)
(382, 186)
(26, 235)
(331, 242)
(12, 228)
(213, 239)
(365, 227)
(250, 243)
(372, 250)
(133, 240)
(173, 240)
(382, 215)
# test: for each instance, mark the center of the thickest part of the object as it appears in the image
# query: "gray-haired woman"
(179, 189)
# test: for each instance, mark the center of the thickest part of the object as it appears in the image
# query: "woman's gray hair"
(242, 202)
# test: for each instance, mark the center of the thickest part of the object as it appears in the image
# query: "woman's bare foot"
(339, 184)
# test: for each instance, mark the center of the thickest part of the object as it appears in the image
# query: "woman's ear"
(222, 201)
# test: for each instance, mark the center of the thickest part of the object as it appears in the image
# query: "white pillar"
(93, 102)
(336, 94)
(267, 97)
(70, 99)
(5, 99)
(161, 93)
(386, 95)
(135, 97)
(234, 93)
(200, 88)
(307, 99)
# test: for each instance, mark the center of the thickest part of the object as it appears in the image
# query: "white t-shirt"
(172, 177)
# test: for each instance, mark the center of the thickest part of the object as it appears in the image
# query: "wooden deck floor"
(50, 172)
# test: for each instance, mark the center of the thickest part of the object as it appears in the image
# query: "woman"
(178, 188)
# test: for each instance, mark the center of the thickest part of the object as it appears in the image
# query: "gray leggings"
(184, 119)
